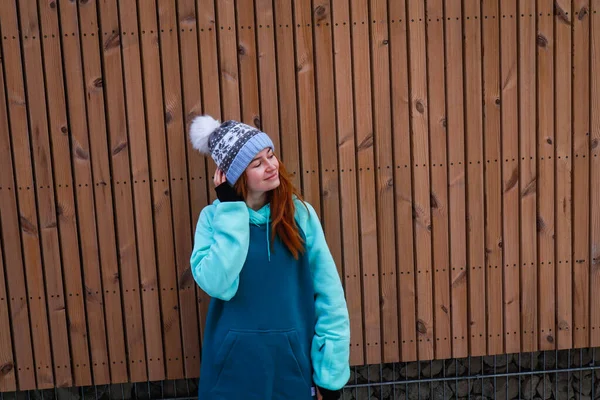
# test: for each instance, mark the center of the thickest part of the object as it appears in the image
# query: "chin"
(272, 185)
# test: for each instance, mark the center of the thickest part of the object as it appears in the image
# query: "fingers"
(219, 177)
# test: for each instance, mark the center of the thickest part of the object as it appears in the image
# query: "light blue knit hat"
(232, 144)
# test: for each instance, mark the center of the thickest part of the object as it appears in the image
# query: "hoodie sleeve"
(220, 248)
(330, 350)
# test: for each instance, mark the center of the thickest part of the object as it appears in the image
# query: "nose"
(270, 164)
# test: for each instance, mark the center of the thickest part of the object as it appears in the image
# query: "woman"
(277, 326)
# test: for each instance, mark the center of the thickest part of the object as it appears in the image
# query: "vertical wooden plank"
(267, 70)
(419, 112)
(86, 212)
(142, 198)
(247, 59)
(581, 173)
(475, 182)
(286, 86)
(27, 209)
(179, 184)
(228, 68)
(103, 190)
(196, 171)
(228, 60)
(307, 117)
(563, 168)
(510, 174)
(456, 178)
(64, 190)
(211, 100)
(384, 178)
(161, 191)
(528, 179)
(8, 382)
(45, 193)
(595, 172)
(545, 160)
(493, 175)
(15, 290)
(325, 96)
(123, 193)
(403, 180)
(366, 179)
(439, 179)
(346, 144)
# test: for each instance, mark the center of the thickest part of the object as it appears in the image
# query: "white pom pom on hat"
(200, 131)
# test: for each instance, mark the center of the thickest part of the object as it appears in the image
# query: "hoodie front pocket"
(299, 356)
(266, 364)
(223, 354)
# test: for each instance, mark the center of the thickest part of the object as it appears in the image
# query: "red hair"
(281, 200)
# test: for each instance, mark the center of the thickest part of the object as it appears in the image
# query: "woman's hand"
(219, 177)
(225, 192)
(324, 394)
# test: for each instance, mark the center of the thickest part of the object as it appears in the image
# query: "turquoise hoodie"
(226, 236)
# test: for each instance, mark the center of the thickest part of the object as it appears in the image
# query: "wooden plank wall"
(450, 147)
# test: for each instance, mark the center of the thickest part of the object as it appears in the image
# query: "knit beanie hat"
(231, 144)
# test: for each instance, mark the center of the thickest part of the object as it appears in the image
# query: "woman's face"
(263, 172)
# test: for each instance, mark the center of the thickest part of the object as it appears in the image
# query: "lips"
(272, 177)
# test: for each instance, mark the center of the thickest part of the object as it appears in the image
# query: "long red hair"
(282, 206)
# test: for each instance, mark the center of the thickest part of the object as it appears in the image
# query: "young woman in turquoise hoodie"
(277, 326)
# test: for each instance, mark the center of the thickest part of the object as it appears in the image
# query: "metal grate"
(565, 374)
(568, 374)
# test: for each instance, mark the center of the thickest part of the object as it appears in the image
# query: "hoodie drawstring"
(268, 242)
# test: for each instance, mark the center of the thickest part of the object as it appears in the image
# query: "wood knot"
(563, 326)
(500, 244)
(385, 42)
(119, 148)
(27, 226)
(542, 41)
(52, 4)
(549, 140)
(83, 1)
(445, 309)
(320, 12)
(168, 117)
(366, 143)
(241, 50)
(257, 122)
(419, 106)
(81, 153)
(594, 143)
(540, 224)
(6, 368)
(582, 13)
(64, 130)
(497, 101)
(421, 328)
(415, 212)
(550, 339)
(98, 82)
(113, 41)
(433, 200)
